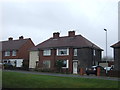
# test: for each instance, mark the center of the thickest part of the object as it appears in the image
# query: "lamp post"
(106, 44)
(106, 48)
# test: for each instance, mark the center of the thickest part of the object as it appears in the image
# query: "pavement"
(66, 75)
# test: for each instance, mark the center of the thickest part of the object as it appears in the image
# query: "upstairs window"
(75, 52)
(13, 53)
(7, 53)
(47, 52)
(61, 52)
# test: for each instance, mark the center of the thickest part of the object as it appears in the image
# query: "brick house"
(116, 48)
(74, 50)
(16, 51)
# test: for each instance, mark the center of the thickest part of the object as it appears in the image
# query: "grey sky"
(38, 19)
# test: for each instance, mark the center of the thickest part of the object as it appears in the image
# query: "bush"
(59, 64)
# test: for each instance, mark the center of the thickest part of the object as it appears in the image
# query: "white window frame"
(46, 52)
(58, 54)
(75, 52)
(7, 53)
(67, 65)
(14, 53)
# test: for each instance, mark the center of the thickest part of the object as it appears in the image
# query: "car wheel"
(87, 74)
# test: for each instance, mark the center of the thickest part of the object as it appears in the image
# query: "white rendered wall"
(33, 57)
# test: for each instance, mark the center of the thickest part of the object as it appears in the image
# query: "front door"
(74, 67)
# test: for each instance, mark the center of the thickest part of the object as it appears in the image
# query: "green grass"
(22, 80)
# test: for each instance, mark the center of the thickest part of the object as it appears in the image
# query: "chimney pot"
(56, 35)
(21, 37)
(71, 33)
(10, 38)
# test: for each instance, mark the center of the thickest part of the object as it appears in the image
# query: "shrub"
(59, 64)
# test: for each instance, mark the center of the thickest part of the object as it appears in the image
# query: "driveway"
(66, 75)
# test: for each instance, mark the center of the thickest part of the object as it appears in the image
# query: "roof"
(77, 41)
(116, 45)
(13, 44)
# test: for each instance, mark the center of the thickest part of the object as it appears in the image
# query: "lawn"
(22, 80)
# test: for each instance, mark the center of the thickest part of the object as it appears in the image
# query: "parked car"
(93, 70)
(8, 66)
(107, 69)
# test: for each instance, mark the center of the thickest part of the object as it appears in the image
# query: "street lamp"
(106, 44)
(106, 48)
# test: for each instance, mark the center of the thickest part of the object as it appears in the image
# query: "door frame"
(75, 61)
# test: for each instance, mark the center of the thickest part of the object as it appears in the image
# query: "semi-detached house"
(74, 50)
(16, 51)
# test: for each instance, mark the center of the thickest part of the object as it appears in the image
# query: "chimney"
(10, 38)
(21, 37)
(71, 33)
(56, 35)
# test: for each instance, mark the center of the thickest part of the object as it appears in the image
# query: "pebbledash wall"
(34, 58)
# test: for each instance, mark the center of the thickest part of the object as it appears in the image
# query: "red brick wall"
(24, 50)
(54, 57)
(22, 53)
(9, 57)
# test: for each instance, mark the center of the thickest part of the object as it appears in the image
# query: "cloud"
(39, 20)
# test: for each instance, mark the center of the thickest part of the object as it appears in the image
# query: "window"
(75, 52)
(65, 64)
(47, 52)
(46, 64)
(7, 53)
(14, 53)
(62, 52)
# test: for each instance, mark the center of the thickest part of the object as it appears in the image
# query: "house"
(75, 51)
(116, 48)
(16, 51)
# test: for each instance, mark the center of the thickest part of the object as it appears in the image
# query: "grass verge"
(22, 80)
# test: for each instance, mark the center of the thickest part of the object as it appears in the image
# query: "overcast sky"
(38, 19)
